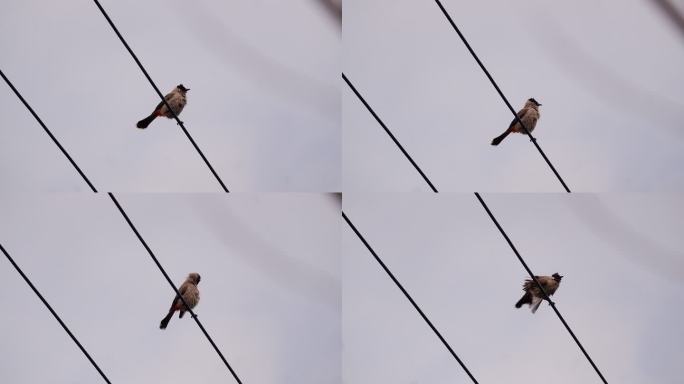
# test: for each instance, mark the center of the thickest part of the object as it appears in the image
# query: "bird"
(533, 295)
(190, 294)
(529, 115)
(176, 100)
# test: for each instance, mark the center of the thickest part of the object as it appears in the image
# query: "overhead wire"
(503, 97)
(168, 279)
(144, 71)
(534, 278)
(56, 316)
(410, 299)
(45, 128)
(401, 147)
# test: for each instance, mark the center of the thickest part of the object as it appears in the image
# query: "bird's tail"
(526, 299)
(500, 138)
(165, 321)
(142, 124)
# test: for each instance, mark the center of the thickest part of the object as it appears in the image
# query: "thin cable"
(420, 311)
(54, 139)
(26, 279)
(503, 97)
(672, 12)
(546, 296)
(111, 23)
(389, 133)
(168, 279)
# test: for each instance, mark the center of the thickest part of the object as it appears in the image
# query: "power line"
(546, 296)
(503, 97)
(26, 279)
(168, 279)
(389, 133)
(192, 141)
(54, 139)
(672, 12)
(415, 305)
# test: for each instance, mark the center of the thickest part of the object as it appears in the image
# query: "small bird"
(528, 115)
(190, 294)
(176, 100)
(533, 295)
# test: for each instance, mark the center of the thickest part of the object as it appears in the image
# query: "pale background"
(264, 103)
(621, 257)
(608, 73)
(270, 289)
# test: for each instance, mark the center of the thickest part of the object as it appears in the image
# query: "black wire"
(35, 290)
(546, 296)
(111, 23)
(54, 139)
(420, 311)
(491, 79)
(672, 12)
(389, 133)
(168, 279)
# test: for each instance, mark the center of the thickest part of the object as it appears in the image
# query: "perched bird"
(528, 115)
(190, 294)
(176, 100)
(533, 295)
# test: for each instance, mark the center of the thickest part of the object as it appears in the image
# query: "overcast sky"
(264, 103)
(608, 74)
(270, 289)
(289, 293)
(620, 255)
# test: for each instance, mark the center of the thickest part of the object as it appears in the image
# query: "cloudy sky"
(621, 257)
(270, 289)
(264, 104)
(608, 74)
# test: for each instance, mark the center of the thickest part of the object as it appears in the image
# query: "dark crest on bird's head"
(534, 101)
(182, 88)
(195, 277)
(557, 277)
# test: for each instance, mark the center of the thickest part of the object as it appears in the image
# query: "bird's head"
(532, 101)
(557, 277)
(182, 88)
(194, 277)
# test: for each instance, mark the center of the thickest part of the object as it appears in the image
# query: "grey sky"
(608, 74)
(289, 293)
(270, 290)
(624, 278)
(264, 104)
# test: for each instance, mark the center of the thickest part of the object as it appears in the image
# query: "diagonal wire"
(389, 133)
(670, 10)
(415, 305)
(54, 139)
(546, 296)
(503, 97)
(35, 290)
(137, 61)
(168, 279)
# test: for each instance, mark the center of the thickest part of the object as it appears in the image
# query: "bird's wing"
(536, 301)
(182, 289)
(175, 301)
(167, 98)
(528, 284)
(521, 113)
